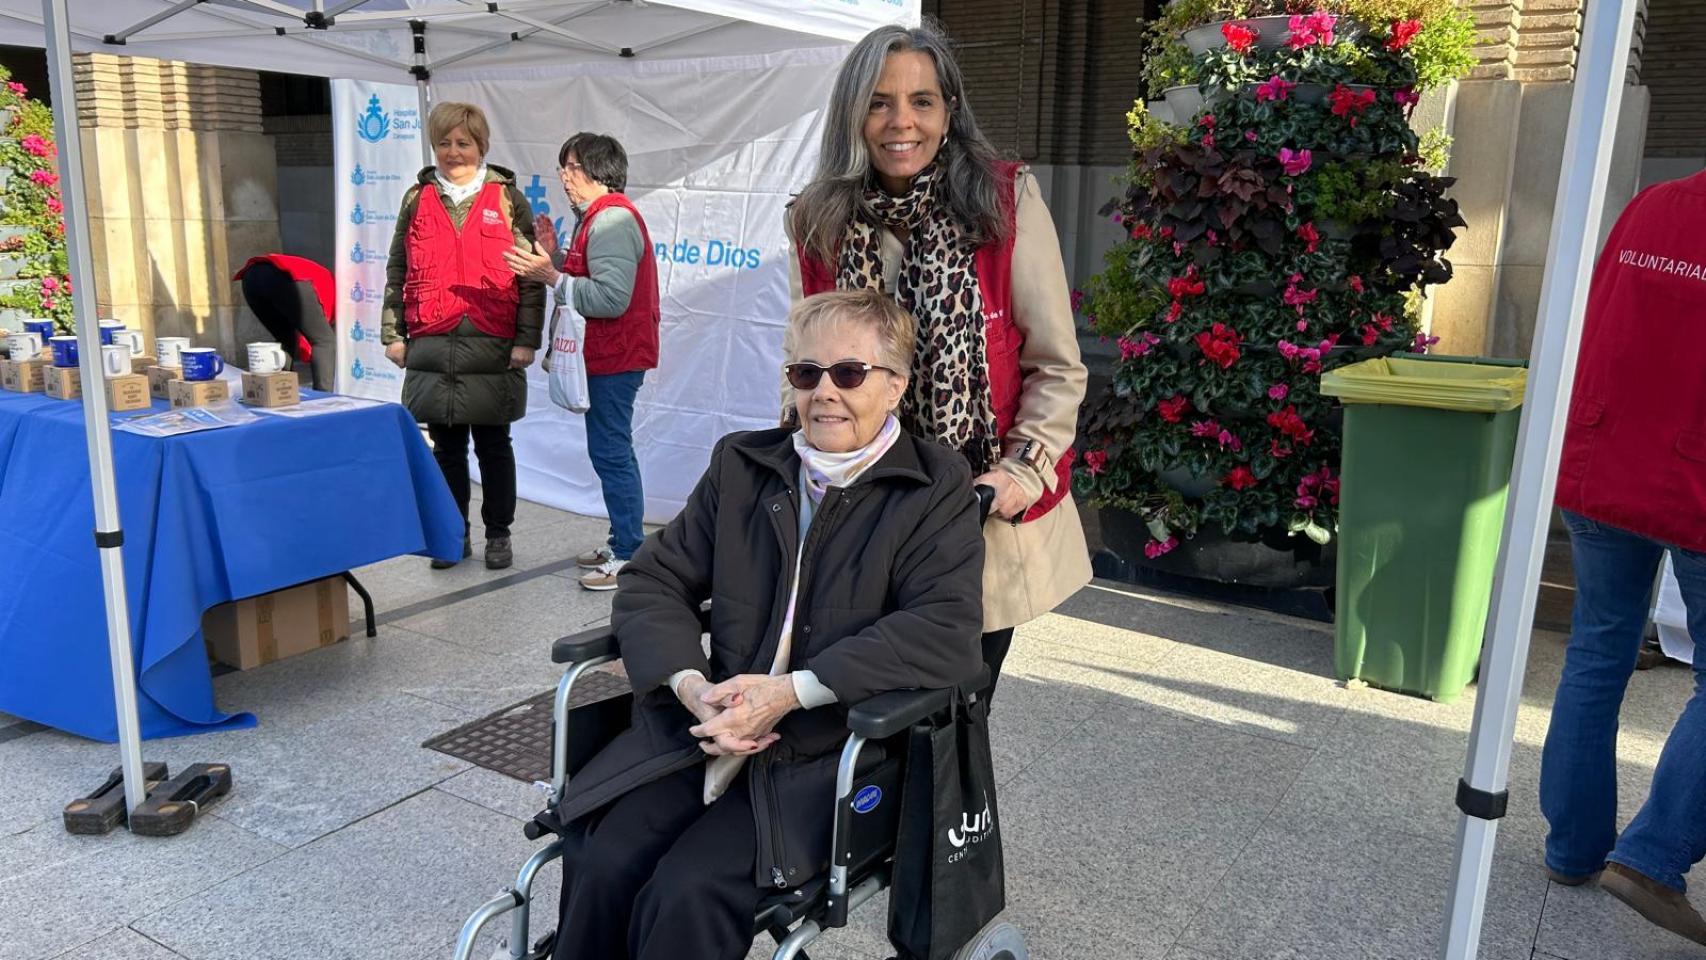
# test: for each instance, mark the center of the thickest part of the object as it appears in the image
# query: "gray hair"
(897, 331)
(968, 187)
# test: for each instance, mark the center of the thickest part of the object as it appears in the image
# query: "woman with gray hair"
(912, 199)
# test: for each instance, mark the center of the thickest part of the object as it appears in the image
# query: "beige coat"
(1029, 568)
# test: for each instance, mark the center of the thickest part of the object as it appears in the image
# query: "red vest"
(460, 273)
(629, 342)
(302, 269)
(1635, 450)
(1002, 336)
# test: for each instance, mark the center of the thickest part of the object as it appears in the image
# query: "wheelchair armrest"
(587, 645)
(888, 714)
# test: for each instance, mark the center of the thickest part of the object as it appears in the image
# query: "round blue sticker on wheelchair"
(867, 799)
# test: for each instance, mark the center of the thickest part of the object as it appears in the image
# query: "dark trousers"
(995, 646)
(664, 877)
(497, 470)
(286, 307)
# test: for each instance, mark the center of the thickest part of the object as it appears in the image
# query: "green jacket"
(463, 376)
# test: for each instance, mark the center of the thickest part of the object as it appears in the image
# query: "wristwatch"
(1031, 454)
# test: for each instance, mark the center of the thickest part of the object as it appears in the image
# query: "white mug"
(24, 346)
(131, 339)
(115, 359)
(267, 358)
(169, 348)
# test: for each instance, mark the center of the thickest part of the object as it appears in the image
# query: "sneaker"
(467, 551)
(603, 577)
(1664, 906)
(593, 559)
(498, 553)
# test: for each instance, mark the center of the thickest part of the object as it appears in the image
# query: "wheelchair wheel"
(998, 941)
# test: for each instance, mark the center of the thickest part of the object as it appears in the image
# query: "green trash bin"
(1428, 444)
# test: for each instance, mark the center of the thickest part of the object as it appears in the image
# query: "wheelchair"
(862, 835)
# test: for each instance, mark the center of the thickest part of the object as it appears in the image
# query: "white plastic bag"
(566, 359)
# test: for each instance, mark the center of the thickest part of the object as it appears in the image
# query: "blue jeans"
(1615, 570)
(610, 443)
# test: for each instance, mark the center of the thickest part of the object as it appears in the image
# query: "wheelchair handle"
(985, 501)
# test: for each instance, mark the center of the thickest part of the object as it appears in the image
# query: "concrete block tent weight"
(1597, 101)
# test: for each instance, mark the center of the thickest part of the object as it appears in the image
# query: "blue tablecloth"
(208, 517)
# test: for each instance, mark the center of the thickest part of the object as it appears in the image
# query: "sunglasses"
(846, 374)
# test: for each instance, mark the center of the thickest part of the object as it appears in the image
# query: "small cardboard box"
(197, 393)
(129, 392)
(142, 363)
(23, 376)
(159, 376)
(271, 389)
(63, 383)
(248, 633)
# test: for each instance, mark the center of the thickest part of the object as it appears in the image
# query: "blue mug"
(64, 351)
(43, 326)
(108, 329)
(201, 363)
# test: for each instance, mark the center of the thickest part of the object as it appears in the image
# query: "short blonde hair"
(897, 331)
(450, 114)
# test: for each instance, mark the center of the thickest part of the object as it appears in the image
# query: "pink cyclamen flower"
(1406, 96)
(1316, 28)
(49, 284)
(1295, 162)
(1355, 283)
(1279, 391)
(1096, 461)
(1204, 428)
(1131, 349)
(54, 205)
(18, 88)
(1250, 135)
(1275, 88)
(1370, 334)
(1156, 548)
(1422, 343)
(47, 303)
(43, 178)
(35, 145)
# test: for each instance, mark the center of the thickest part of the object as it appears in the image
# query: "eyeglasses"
(846, 374)
(571, 165)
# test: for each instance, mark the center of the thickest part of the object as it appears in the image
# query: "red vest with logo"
(629, 342)
(1002, 337)
(1635, 449)
(460, 273)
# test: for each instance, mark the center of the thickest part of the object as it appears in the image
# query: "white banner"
(376, 138)
(715, 149)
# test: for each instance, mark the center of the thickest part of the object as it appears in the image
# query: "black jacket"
(891, 598)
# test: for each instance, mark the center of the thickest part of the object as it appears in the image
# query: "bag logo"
(973, 828)
(867, 799)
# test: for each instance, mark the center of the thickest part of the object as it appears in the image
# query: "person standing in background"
(614, 286)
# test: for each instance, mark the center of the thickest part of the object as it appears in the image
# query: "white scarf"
(456, 194)
(819, 471)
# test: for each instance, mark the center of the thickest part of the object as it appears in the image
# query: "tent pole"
(109, 537)
(423, 87)
(1597, 100)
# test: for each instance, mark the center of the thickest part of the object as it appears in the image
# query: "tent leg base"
(102, 810)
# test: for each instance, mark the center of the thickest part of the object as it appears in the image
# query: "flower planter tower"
(34, 279)
(1287, 225)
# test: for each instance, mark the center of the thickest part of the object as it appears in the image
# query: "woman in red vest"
(611, 273)
(911, 198)
(463, 325)
(293, 297)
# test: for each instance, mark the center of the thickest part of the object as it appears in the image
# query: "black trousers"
(664, 877)
(497, 470)
(996, 643)
(285, 307)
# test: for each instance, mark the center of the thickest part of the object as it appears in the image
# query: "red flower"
(1384, 321)
(1188, 285)
(1310, 236)
(1174, 311)
(1274, 88)
(34, 144)
(1350, 103)
(1096, 461)
(1208, 141)
(1156, 548)
(1402, 33)
(1278, 450)
(1370, 334)
(1298, 297)
(1295, 162)
(17, 88)
(1141, 231)
(1355, 283)
(1219, 345)
(1290, 425)
(1205, 428)
(1239, 36)
(1240, 478)
(54, 204)
(1174, 408)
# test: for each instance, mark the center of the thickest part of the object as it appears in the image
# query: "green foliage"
(32, 207)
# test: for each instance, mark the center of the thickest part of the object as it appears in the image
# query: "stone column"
(183, 188)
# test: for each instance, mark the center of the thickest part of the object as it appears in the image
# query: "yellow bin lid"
(1464, 386)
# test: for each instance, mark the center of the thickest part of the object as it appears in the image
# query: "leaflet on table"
(335, 403)
(188, 420)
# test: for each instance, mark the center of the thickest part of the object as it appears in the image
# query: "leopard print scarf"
(948, 399)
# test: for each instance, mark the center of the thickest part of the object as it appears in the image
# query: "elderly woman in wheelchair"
(841, 562)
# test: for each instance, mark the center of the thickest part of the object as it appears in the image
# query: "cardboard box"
(23, 376)
(129, 392)
(271, 389)
(63, 383)
(248, 633)
(197, 393)
(142, 363)
(158, 377)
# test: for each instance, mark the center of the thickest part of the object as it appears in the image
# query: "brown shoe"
(1664, 906)
(1570, 879)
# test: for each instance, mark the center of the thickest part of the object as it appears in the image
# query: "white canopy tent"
(384, 40)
